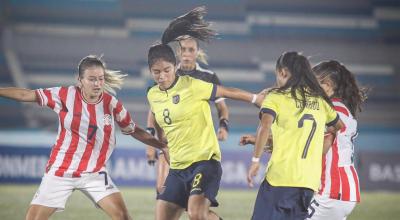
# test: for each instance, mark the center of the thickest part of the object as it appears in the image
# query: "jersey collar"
(188, 72)
(172, 85)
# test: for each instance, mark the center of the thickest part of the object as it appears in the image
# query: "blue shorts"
(286, 203)
(202, 177)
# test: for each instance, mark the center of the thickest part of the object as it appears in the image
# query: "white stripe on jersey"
(347, 190)
(198, 67)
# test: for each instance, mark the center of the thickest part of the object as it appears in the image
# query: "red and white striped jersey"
(86, 131)
(339, 179)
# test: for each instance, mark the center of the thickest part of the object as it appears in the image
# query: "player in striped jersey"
(297, 113)
(85, 141)
(339, 191)
(182, 112)
(189, 53)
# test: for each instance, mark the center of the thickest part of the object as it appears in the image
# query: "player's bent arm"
(263, 134)
(18, 94)
(151, 153)
(336, 127)
(238, 94)
(160, 133)
(223, 112)
(328, 141)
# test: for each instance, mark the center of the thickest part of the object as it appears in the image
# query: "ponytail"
(345, 85)
(192, 24)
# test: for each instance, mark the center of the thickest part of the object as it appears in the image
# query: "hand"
(260, 97)
(247, 139)
(151, 155)
(268, 149)
(253, 171)
(222, 134)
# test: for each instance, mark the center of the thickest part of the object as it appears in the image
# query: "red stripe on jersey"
(50, 101)
(335, 176)
(107, 133)
(323, 175)
(126, 121)
(63, 112)
(336, 100)
(342, 110)
(355, 177)
(345, 184)
(76, 120)
(91, 141)
(117, 109)
(122, 122)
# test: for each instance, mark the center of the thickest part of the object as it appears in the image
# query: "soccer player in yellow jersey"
(297, 112)
(182, 112)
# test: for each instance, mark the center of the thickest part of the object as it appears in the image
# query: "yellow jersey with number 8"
(183, 112)
(298, 135)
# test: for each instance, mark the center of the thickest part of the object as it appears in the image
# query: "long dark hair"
(345, 85)
(190, 24)
(302, 79)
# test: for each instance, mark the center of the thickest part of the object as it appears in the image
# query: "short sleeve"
(215, 79)
(332, 116)
(203, 90)
(123, 118)
(270, 105)
(51, 97)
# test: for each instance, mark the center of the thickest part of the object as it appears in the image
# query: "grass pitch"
(234, 204)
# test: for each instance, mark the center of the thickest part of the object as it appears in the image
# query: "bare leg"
(39, 212)
(115, 207)
(162, 172)
(199, 208)
(168, 211)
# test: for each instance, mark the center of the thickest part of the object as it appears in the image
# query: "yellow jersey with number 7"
(298, 135)
(183, 112)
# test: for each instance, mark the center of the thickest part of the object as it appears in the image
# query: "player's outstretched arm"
(146, 138)
(251, 139)
(247, 139)
(18, 94)
(241, 95)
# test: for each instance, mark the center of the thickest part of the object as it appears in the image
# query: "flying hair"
(192, 24)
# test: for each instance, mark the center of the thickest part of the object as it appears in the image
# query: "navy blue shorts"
(286, 203)
(202, 177)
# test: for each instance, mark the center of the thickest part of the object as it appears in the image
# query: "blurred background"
(42, 41)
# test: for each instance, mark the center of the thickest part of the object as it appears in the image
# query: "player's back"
(298, 133)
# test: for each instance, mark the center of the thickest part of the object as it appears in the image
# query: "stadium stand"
(363, 34)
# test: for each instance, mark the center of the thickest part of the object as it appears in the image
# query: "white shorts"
(322, 207)
(54, 191)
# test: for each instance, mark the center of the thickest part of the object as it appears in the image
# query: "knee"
(121, 215)
(33, 216)
(196, 214)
